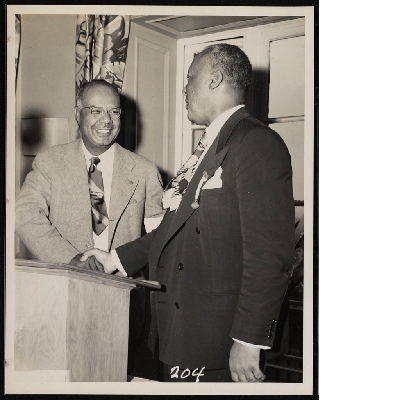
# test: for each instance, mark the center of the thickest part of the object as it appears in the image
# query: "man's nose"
(184, 90)
(105, 117)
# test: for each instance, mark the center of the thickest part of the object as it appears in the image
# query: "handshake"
(96, 260)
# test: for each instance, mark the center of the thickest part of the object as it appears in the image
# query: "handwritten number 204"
(186, 372)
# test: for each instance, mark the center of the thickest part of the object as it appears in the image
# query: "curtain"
(101, 47)
(17, 44)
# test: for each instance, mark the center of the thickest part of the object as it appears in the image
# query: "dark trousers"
(171, 374)
(137, 314)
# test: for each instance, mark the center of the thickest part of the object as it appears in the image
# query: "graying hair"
(233, 62)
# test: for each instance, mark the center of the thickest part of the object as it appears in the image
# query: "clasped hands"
(96, 260)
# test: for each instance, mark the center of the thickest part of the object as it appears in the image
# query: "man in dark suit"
(225, 245)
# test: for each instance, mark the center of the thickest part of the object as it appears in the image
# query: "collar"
(214, 128)
(105, 157)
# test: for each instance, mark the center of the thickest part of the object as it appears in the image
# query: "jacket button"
(88, 245)
(180, 267)
(177, 305)
(197, 230)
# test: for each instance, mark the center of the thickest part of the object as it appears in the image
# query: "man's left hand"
(102, 261)
(90, 263)
(244, 363)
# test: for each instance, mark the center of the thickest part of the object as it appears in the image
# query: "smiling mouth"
(104, 131)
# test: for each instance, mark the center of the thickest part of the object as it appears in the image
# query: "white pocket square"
(215, 182)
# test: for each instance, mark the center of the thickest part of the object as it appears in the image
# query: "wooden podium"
(71, 324)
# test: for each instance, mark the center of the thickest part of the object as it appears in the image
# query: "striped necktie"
(96, 189)
(185, 174)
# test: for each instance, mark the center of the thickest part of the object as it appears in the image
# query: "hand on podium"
(103, 261)
(90, 263)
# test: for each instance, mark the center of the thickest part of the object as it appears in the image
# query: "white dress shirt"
(213, 129)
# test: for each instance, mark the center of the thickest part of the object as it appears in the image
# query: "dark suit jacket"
(223, 265)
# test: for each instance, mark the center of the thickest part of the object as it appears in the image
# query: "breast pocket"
(132, 215)
(134, 201)
(214, 192)
(135, 205)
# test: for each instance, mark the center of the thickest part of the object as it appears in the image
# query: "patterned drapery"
(101, 47)
(17, 44)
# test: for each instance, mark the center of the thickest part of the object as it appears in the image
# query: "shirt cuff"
(117, 262)
(152, 223)
(256, 346)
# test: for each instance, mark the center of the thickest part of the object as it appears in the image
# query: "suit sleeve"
(32, 222)
(266, 207)
(134, 256)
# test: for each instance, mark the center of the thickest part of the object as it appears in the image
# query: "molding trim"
(284, 119)
(132, 17)
(269, 33)
(157, 23)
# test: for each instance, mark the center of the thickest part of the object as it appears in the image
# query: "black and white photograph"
(160, 199)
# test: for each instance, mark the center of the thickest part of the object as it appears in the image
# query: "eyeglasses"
(97, 111)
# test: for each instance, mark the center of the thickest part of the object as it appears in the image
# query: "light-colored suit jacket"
(53, 209)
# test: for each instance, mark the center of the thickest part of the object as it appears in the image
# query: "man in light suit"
(225, 245)
(54, 208)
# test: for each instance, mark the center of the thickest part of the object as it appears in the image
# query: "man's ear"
(78, 115)
(216, 79)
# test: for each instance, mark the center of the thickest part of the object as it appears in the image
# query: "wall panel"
(47, 63)
(149, 97)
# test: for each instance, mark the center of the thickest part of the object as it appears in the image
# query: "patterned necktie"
(184, 175)
(96, 189)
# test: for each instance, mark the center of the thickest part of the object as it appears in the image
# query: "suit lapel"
(185, 209)
(123, 186)
(212, 160)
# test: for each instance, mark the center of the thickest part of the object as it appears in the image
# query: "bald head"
(95, 83)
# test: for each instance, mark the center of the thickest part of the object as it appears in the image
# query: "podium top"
(40, 267)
